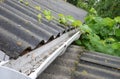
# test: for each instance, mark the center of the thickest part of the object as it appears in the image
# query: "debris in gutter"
(32, 64)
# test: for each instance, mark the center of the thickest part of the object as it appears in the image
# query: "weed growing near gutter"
(101, 34)
(47, 14)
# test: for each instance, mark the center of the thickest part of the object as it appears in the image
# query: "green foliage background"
(108, 8)
(104, 8)
(101, 31)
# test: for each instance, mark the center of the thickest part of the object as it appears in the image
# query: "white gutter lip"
(53, 56)
(3, 62)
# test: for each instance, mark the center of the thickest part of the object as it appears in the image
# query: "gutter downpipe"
(54, 55)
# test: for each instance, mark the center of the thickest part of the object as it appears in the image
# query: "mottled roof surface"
(77, 63)
(20, 29)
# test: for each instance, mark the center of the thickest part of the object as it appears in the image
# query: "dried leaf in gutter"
(19, 43)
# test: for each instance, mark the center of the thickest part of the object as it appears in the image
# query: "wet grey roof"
(20, 30)
(64, 66)
(95, 65)
(77, 63)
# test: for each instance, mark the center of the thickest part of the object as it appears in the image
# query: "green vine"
(101, 34)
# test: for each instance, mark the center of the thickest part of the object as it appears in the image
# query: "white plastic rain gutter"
(3, 62)
(9, 73)
(54, 55)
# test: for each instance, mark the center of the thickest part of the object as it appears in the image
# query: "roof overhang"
(35, 62)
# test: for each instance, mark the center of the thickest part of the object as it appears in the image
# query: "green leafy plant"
(39, 16)
(117, 19)
(48, 15)
(76, 23)
(101, 34)
(72, 21)
(69, 20)
(62, 19)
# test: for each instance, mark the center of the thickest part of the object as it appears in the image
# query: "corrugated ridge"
(27, 10)
(107, 61)
(30, 19)
(25, 23)
(60, 6)
(32, 9)
(76, 63)
(98, 66)
(21, 21)
(84, 75)
(13, 40)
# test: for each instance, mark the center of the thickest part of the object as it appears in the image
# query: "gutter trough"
(54, 55)
(44, 58)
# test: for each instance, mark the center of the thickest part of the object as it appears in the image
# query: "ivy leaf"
(47, 12)
(117, 19)
(62, 19)
(78, 42)
(85, 28)
(48, 15)
(109, 40)
(49, 18)
(103, 42)
(116, 45)
(108, 22)
(98, 19)
(117, 32)
(94, 37)
(76, 23)
(89, 17)
(70, 18)
(93, 11)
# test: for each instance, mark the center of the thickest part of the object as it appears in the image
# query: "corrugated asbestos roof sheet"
(88, 65)
(20, 29)
(94, 65)
(64, 66)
